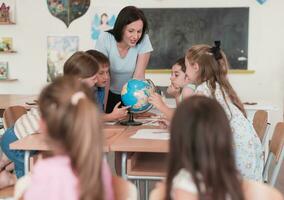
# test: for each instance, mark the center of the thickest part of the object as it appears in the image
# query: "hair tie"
(216, 50)
(76, 97)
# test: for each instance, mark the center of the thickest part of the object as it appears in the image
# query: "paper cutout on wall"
(103, 19)
(102, 23)
(261, 1)
(68, 10)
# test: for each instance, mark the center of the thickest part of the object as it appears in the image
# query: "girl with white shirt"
(201, 159)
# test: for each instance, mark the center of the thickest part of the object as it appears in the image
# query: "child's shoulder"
(53, 164)
(190, 86)
(187, 91)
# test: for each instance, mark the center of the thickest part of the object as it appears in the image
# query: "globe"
(135, 94)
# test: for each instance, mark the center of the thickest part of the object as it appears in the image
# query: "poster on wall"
(68, 10)
(59, 49)
(103, 19)
(7, 11)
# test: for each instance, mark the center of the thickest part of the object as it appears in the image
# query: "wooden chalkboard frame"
(224, 15)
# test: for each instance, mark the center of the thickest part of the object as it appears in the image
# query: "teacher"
(128, 48)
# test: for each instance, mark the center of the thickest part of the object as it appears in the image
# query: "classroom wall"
(266, 50)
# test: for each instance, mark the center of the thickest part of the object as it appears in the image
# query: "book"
(3, 70)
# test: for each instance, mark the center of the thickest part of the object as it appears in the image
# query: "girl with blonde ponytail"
(207, 67)
(77, 171)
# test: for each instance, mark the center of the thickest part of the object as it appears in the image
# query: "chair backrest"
(11, 114)
(260, 123)
(276, 154)
(123, 189)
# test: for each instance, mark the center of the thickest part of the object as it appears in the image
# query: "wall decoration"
(261, 1)
(59, 49)
(7, 11)
(68, 10)
(103, 19)
(6, 44)
(3, 70)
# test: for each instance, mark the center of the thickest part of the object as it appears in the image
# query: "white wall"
(34, 23)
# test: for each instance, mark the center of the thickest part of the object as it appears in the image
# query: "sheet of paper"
(110, 123)
(152, 134)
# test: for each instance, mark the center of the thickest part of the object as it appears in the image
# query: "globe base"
(130, 121)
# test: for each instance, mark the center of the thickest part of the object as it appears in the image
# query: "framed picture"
(59, 49)
(6, 44)
(7, 11)
(3, 70)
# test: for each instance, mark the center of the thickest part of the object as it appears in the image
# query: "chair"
(260, 124)
(11, 114)
(276, 155)
(123, 190)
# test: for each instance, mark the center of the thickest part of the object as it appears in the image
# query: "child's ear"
(42, 126)
(196, 67)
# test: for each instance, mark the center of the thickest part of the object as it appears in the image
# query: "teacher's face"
(132, 33)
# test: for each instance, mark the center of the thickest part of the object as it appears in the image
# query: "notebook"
(152, 134)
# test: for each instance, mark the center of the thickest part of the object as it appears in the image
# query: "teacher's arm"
(142, 62)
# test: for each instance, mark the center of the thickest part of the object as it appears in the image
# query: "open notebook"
(152, 134)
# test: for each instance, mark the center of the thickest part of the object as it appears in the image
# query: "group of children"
(214, 149)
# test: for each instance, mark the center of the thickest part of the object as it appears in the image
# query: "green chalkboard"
(173, 30)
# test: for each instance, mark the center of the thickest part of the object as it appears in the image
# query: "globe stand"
(130, 121)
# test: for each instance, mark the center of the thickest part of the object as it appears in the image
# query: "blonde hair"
(212, 70)
(74, 123)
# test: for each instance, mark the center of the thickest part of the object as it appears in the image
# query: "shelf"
(8, 80)
(7, 23)
(8, 52)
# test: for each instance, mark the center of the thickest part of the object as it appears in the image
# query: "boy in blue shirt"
(102, 87)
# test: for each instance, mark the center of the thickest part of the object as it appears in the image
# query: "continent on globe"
(135, 93)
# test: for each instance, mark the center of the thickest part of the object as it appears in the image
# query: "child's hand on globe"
(156, 100)
(119, 113)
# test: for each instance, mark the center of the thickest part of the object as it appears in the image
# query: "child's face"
(103, 75)
(178, 77)
(91, 81)
(191, 71)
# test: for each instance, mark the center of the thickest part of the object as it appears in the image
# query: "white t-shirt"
(27, 124)
(183, 180)
(121, 69)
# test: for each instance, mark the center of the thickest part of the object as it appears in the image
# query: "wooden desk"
(7, 100)
(38, 142)
(125, 144)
